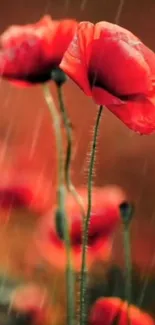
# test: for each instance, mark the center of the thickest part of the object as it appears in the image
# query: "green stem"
(127, 210)
(68, 128)
(128, 266)
(61, 201)
(128, 269)
(87, 220)
(146, 282)
(57, 129)
(70, 279)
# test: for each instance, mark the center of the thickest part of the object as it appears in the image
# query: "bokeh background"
(123, 158)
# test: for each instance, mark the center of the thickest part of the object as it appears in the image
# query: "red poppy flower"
(105, 217)
(24, 198)
(29, 53)
(106, 310)
(113, 66)
(19, 189)
(33, 300)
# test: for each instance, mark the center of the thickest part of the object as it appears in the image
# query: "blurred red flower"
(25, 197)
(113, 66)
(105, 217)
(23, 182)
(29, 53)
(107, 310)
(33, 300)
(21, 189)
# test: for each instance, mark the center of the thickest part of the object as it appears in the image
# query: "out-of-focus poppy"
(24, 198)
(29, 53)
(19, 189)
(113, 66)
(32, 300)
(23, 183)
(113, 310)
(105, 217)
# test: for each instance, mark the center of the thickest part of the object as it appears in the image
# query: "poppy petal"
(33, 300)
(29, 53)
(76, 59)
(106, 310)
(50, 247)
(113, 66)
(138, 115)
(92, 48)
(103, 97)
(25, 190)
(105, 217)
(118, 63)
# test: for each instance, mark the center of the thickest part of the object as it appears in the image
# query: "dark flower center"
(11, 198)
(95, 81)
(100, 227)
(92, 238)
(41, 76)
(16, 318)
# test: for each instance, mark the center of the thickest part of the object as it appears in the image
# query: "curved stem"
(61, 201)
(87, 220)
(57, 130)
(68, 128)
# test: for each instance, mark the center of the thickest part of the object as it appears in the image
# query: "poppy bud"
(126, 210)
(59, 223)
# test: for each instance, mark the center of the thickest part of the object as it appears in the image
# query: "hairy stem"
(87, 220)
(68, 159)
